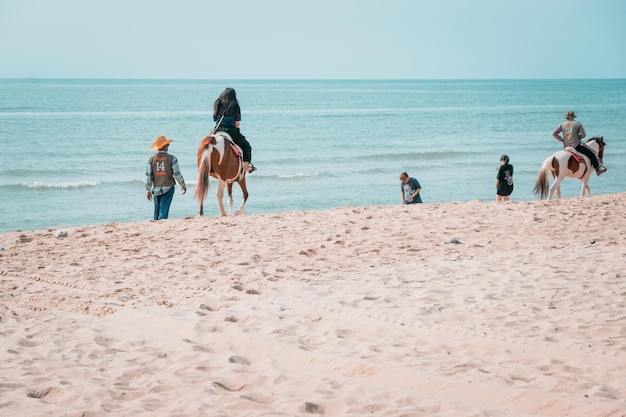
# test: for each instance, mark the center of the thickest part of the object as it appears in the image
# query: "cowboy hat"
(160, 142)
(570, 115)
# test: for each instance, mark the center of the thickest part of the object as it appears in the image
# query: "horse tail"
(204, 169)
(543, 179)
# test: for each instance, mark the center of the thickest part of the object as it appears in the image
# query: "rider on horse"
(573, 133)
(227, 115)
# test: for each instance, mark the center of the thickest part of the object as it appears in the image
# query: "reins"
(217, 125)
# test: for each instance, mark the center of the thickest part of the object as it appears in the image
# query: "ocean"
(74, 152)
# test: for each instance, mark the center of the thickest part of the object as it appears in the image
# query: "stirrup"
(600, 170)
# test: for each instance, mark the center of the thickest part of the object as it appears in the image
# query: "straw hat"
(160, 142)
(570, 115)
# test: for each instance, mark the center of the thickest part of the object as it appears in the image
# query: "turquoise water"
(74, 151)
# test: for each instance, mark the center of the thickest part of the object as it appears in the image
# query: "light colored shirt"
(573, 133)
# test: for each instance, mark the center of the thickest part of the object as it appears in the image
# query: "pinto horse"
(568, 163)
(220, 158)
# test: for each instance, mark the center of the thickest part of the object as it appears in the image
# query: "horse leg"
(558, 178)
(555, 188)
(244, 191)
(584, 188)
(585, 185)
(220, 197)
(229, 190)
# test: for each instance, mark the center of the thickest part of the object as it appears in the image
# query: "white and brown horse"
(568, 163)
(220, 158)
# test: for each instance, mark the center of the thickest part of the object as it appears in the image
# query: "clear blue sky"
(313, 39)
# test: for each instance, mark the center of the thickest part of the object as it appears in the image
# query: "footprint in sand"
(258, 399)
(238, 359)
(227, 388)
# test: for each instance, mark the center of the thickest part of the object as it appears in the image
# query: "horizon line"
(311, 79)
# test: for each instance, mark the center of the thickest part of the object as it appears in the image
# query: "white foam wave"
(76, 184)
(300, 175)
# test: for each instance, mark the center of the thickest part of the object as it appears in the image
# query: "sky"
(313, 39)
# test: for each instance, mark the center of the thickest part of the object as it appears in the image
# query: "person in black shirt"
(504, 179)
(227, 116)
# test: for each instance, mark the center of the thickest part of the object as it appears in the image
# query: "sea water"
(74, 152)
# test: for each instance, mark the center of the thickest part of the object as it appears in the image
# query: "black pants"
(589, 153)
(241, 141)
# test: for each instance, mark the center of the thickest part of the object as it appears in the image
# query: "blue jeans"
(162, 204)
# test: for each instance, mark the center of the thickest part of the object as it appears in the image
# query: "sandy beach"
(443, 309)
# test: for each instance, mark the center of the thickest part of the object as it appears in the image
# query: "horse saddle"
(231, 143)
(577, 155)
(236, 149)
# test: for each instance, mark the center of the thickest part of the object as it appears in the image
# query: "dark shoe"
(251, 169)
(600, 170)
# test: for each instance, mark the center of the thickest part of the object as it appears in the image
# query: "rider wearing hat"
(573, 133)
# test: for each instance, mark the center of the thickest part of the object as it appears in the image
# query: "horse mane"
(601, 144)
(599, 139)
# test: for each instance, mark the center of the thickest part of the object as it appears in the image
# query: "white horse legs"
(230, 203)
(220, 198)
(585, 189)
(242, 207)
(220, 201)
(556, 188)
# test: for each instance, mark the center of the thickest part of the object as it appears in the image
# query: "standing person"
(227, 115)
(504, 179)
(161, 174)
(410, 188)
(573, 132)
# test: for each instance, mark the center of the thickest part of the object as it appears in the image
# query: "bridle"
(600, 143)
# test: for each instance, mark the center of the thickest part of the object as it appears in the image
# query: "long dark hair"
(227, 104)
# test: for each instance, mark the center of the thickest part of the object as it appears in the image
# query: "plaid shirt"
(162, 190)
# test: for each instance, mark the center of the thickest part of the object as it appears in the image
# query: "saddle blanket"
(577, 156)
